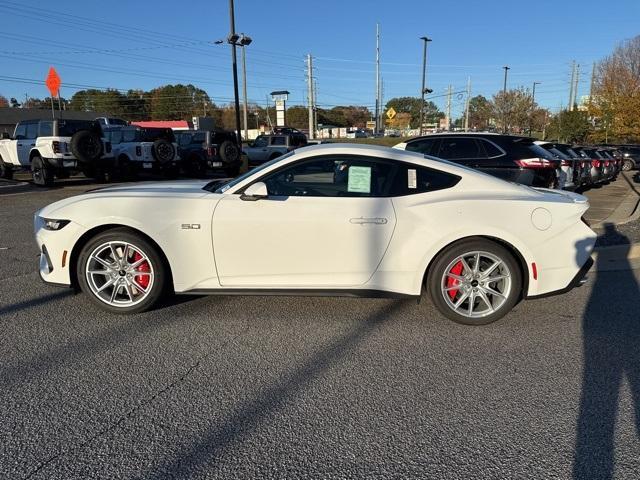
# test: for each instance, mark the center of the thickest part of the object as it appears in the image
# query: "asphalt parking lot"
(287, 387)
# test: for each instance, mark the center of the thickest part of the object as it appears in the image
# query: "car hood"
(175, 189)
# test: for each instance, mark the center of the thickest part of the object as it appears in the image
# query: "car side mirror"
(255, 192)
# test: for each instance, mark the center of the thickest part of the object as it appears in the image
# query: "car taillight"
(583, 164)
(57, 147)
(595, 163)
(138, 150)
(535, 163)
(606, 163)
(565, 163)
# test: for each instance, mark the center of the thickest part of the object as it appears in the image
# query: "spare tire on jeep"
(229, 152)
(86, 146)
(163, 151)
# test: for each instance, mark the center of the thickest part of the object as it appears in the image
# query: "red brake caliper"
(452, 282)
(142, 280)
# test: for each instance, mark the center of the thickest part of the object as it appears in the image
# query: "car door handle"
(367, 220)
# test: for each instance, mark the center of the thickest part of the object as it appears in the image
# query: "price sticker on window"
(359, 180)
(412, 179)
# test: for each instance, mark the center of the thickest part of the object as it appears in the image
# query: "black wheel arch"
(524, 269)
(89, 234)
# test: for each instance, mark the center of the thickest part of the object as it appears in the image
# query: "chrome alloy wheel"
(119, 273)
(476, 284)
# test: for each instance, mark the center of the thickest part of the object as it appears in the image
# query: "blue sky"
(143, 44)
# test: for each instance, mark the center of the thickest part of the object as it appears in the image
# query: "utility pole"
(244, 92)
(234, 61)
(575, 87)
(466, 107)
(424, 74)
(449, 90)
(533, 105)
(573, 76)
(593, 81)
(315, 107)
(504, 95)
(310, 94)
(378, 106)
(268, 114)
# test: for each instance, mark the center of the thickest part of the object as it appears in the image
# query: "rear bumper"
(576, 281)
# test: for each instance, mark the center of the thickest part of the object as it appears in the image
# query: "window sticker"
(359, 180)
(412, 180)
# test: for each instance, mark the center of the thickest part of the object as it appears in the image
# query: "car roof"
(469, 134)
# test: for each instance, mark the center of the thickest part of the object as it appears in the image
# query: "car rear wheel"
(627, 165)
(475, 282)
(121, 272)
(41, 173)
(6, 170)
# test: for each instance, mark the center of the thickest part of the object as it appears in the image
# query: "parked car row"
(103, 149)
(522, 159)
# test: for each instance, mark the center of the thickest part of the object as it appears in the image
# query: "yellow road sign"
(391, 113)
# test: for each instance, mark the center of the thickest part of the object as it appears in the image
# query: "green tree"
(480, 113)
(177, 102)
(411, 105)
(3, 102)
(569, 126)
(513, 107)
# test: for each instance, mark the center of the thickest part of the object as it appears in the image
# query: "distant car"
(201, 150)
(143, 149)
(569, 167)
(631, 156)
(56, 149)
(106, 122)
(598, 173)
(513, 158)
(268, 147)
(582, 166)
(392, 223)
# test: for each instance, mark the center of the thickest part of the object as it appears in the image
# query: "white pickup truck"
(55, 148)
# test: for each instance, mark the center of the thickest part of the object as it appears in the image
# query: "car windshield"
(216, 187)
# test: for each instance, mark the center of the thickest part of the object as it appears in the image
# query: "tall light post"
(533, 105)
(244, 42)
(504, 98)
(424, 75)
(232, 40)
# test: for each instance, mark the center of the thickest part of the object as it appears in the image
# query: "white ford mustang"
(330, 219)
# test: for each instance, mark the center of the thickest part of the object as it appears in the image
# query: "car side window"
(424, 146)
(128, 136)
(261, 141)
(32, 131)
(21, 132)
(46, 129)
(491, 150)
(279, 141)
(412, 179)
(333, 176)
(459, 149)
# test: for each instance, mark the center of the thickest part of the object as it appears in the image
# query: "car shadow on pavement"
(249, 414)
(611, 346)
(34, 302)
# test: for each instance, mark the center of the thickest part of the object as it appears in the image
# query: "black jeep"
(201, 150)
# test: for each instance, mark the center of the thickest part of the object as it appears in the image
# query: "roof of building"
(178, 124)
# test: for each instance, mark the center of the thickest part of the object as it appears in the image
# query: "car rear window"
(423, 146)
(66, 128)
(528, 149)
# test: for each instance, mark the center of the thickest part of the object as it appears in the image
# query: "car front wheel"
(121, 272)
(475, 282)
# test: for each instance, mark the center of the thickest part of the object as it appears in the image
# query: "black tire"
(41, 172)
(160, 278)
(86, 146)
(436, 279)
(229, 152)
(628, 165)
(6, 170)
(163, 151)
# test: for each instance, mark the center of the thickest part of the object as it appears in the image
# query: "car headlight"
(54, 224)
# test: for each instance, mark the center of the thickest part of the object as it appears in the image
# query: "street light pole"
(232, 41)
(244, 89)
(504, 97)
(533, 105)
(424, 74)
